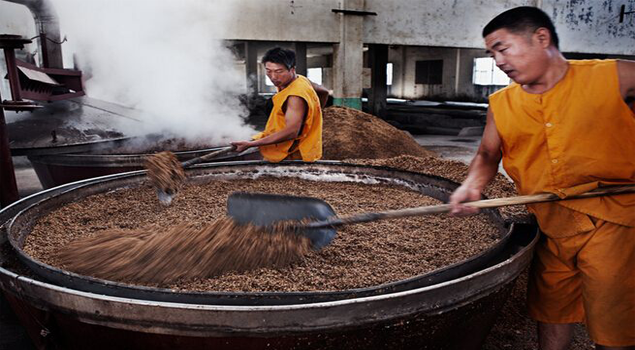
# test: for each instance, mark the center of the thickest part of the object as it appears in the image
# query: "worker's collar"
(295, 76)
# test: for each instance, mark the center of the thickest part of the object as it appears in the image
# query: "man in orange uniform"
(294, 128)
(564, 127)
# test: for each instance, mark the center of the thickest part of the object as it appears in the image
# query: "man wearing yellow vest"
(565, 127)
(294, 128)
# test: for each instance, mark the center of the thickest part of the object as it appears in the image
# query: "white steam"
(163, 57)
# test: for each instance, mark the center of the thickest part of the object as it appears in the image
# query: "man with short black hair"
(294, 128)
(564, 127)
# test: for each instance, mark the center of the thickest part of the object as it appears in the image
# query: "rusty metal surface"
(49, 84)
(13, 335)
(418, 331)
(13, 41)
(12, 72)
(8, 184)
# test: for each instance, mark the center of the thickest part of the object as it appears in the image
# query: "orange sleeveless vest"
(309, 142)
(573, 138)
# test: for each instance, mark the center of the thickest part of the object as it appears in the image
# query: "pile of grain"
(156, 255)
(360, 255)
(350, 133)
(347, 133)
(165, 172)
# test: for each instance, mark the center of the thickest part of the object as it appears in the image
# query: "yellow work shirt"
(309, 142)
(573, 138)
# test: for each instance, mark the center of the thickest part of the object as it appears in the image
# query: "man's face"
(279, 75)
(521, 56)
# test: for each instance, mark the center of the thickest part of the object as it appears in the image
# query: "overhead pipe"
(48, 28)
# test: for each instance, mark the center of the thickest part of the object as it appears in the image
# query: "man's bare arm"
(323, 93)
(482, 169)
(626, 75)
(296, 110)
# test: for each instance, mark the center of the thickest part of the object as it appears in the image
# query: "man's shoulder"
(302, 82)
(592, 62)
(593, 65)
(509, 89)
(303, 88)
(298, 85)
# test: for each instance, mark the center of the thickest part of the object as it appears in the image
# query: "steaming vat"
(58, 169)
(73, 125)
(72, 140)
(426, 311)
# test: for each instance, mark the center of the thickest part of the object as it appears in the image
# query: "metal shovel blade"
(264, 209)
(164, 197)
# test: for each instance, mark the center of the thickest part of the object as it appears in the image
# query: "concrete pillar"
(8, 185)
(457, 72)
(348, 58)
(300, 58)
(251, 66)
(378, 59)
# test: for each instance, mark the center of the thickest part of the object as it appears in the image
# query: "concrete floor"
(13, 336)
(461, 148)
(25, 176)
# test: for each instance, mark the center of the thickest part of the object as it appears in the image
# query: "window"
(389, 74)
(486, 73)
(429, 72)
(315, 75)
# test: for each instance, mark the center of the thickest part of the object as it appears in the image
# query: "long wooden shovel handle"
(444, 208)
(207, 156)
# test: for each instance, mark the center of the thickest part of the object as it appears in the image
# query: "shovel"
(265, 209)
(166, 198)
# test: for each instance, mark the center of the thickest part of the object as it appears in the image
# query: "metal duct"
(46, 23)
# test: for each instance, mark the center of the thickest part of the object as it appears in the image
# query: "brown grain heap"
(182, 252)
(165, 172)
(349, 133)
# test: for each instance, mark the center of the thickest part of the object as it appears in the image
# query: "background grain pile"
(349, 133)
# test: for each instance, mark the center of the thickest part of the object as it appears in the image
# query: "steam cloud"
(163, 57)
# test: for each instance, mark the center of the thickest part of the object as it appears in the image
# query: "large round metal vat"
(58, 169)
(452, 308)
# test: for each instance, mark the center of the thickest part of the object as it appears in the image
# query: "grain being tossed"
(163, 255)
(166, 173)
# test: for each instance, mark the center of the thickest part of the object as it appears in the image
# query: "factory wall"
(435, 30)
(593, 26)
(416, 30)
(586, 26)
(590, 26)
(432, 22)
(456, 76)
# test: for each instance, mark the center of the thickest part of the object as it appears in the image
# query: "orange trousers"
(590, 278)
